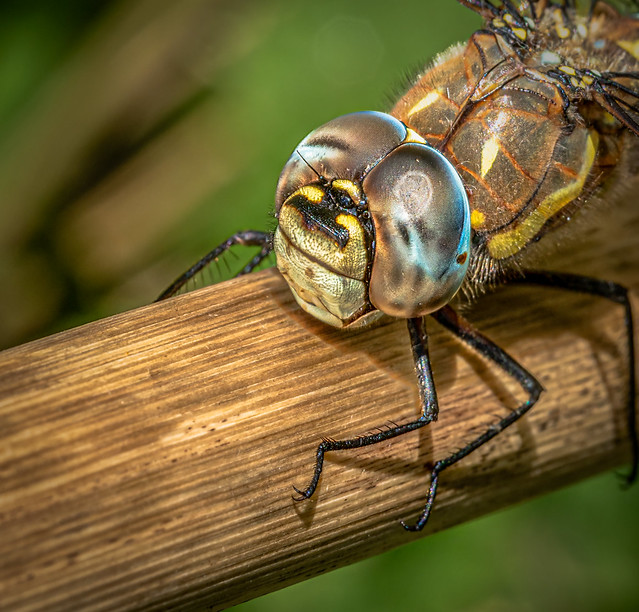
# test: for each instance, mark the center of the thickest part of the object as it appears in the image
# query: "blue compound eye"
(422, 231)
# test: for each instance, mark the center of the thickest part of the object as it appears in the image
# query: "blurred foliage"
(135, 136)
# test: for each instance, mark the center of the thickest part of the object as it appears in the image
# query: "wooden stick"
(148, 459)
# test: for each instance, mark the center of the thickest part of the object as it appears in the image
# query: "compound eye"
(344, 148)
(422, 231)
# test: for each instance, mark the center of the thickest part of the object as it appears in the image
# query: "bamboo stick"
(147, 459)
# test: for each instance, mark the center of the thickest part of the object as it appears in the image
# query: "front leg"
(461, 328)
(247, 238)
(428, 399)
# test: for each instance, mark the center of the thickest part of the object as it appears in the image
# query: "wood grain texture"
(147, 460)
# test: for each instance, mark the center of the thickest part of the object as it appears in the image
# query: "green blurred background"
(135, 136)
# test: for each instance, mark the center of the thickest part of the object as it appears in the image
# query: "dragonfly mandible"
(402, 213)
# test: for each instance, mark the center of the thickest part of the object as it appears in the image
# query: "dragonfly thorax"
(371, 220)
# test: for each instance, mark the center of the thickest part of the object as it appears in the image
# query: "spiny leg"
(266, 250)
(615, 293)
(461, 328)
(428, 399)
(484, 7)
(248, 238)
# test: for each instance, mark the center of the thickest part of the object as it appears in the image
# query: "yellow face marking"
(350, 223)
(510, 242)
(510, 20)
(488, 154)
(430, 98)
(353, 254)
(312, 193)
(632, 46)
(349, 260)
(587, 80)
(575, 82)
(477, 219)
(350, 188)
(499, 23)
(582, 30)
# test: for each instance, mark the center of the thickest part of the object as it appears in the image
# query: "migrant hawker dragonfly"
(405, 213)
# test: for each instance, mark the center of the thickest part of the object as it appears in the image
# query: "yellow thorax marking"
(510, 242)
(488, 154)
(632, 46)
(519, 33)
(413, 136)
(430, 98)
(477, 219)
(560, 28)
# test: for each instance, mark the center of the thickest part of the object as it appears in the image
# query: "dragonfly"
(405, 213)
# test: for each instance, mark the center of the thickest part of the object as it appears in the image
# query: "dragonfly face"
(371, 220)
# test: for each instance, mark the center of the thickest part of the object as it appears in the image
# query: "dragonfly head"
(371, 220)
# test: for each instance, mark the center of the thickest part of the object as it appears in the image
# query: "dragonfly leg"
(615, 293)
(461, 328)
(247, 238)
(428, 398)
(484, 7)
(267, 249)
